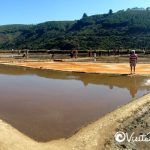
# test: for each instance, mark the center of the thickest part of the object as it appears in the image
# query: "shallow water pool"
(46, 105)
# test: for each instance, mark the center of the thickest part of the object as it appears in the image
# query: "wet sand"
(85, 67)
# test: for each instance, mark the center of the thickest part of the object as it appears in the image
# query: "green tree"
(84, 16)
(110, 12)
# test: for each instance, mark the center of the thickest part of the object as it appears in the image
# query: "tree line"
(125, 29)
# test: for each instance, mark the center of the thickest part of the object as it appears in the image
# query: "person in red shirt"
(133, 60)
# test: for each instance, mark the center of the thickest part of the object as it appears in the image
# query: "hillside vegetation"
(124, 29)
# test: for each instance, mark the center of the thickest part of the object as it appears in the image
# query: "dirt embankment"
(86, 67)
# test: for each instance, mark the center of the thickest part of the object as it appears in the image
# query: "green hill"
(123, 29)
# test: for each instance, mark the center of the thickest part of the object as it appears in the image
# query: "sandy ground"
(86, 67)
(98, 135)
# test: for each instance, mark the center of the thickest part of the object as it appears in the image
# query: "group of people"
(132, 58)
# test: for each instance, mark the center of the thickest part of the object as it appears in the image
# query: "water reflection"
(47, 105)
(132, 83)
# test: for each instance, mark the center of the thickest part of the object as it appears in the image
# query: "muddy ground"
(85, 67)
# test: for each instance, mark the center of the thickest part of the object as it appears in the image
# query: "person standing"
(133, 60)
(94, 55)
(76, 54)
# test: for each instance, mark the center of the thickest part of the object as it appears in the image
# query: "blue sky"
(36, 11)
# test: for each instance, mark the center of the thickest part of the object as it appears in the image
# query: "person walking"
(133, 61)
